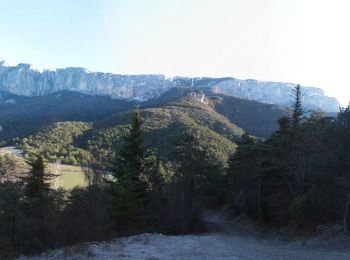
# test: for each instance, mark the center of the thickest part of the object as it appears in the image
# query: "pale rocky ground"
(228, 242)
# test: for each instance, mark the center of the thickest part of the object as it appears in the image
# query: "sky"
(299, 41)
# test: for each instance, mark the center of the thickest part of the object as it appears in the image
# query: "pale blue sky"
(300, 41)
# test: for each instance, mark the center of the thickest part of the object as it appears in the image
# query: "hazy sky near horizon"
(299, 41)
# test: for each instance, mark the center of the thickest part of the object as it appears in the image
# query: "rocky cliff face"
(277, 93)
(24, 80)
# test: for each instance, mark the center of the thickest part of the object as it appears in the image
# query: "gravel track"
(228, 242)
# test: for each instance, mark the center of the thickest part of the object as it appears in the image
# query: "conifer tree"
(297, 107)
(38, 186)
(157, 193)
(129, 190)
(195, 183)
(39, 209)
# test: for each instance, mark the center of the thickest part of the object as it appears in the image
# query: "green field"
(71, 176)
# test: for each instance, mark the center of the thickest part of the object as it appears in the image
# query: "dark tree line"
(299, 176)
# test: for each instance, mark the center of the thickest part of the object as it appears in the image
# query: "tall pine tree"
(297, 107)
(39, 208)
(38, 186)
(130, 173)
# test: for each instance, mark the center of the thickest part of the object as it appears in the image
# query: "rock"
(25, 80)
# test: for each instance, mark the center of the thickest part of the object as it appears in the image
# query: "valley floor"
(230, 242)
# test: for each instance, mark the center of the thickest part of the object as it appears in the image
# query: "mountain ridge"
(24, 79)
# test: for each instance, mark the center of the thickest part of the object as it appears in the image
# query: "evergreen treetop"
(38, 185)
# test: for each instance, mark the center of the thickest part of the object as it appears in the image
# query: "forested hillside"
(57, 142)
(21, 116)
(255, 118)
(75, 142)
(24, 116)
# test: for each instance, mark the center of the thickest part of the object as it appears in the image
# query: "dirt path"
(255, 245)
(228, 242)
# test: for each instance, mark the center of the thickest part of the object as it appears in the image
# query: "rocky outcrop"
(198, 95)
(24, 80)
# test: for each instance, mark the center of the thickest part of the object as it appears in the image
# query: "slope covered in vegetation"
(256, 118)
(27, 115)
(74, 142)
(57, 142)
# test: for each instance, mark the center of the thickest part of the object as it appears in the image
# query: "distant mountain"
(24, 80)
